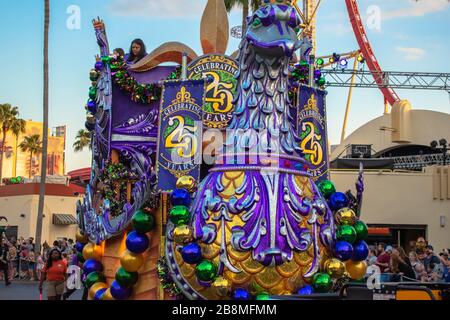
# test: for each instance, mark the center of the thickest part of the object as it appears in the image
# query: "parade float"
(263, 220)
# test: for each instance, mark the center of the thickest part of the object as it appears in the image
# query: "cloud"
(411, 54)
(158, 8)
(416, 8)
(337, 29)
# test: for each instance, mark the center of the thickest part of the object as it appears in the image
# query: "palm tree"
(31, 144)
(9, 121)
(45, 129)
(246, 5)
(82, 140)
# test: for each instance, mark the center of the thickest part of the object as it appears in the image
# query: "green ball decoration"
(322, 282)
(106, 59)
(304, 63)
(93, 93)
(80, 257)
(346, 233)
(321, 81)
(143, 222)
(179, 215)
(206, 270)
(326, 188)
(94, 277)
(263, 296)
(126, 279)
(361, 230)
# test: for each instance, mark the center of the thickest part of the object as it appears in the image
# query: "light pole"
(443, 147)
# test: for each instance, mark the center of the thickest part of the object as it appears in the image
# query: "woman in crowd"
(416, 264)
(137, 51)
(55, 275)
(31, 264)
(39, 266)
(399, 266)
(118, 52)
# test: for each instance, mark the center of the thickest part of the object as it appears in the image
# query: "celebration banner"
(312, 130)
(221, 70)
(179, 132)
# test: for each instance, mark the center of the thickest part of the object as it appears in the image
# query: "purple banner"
(180, 132)
(312, 129)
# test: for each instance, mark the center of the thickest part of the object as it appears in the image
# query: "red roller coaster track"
(355, 18)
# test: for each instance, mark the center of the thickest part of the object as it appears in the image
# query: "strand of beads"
(350, 249)
(137, 242)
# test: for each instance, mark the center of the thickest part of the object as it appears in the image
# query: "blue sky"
(413, 36)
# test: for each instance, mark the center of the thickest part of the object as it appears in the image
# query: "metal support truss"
(417, 162)
(389, 79)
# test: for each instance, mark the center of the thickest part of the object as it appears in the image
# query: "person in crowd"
(23, 261)
(118, 52)
(56, 244)
(13, 261)
(400, 267)
(137, 51)
(372, 258)
(416, 264)
(384, 257)
(45, 250)
(403, 255)
(39, 266)
(54, 275)
(4, 261)
(446, 266)
(422, 275)
(435, 272)
(430, 257)
(31, 264)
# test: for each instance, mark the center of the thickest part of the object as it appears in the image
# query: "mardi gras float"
(263, 219)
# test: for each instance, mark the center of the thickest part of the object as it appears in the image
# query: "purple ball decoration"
(118, 292)
(306, 290)
(99, 65)
(317, 74)
(79, 246)
(360, 251)
(191, 253)
(92, 265)
(180, 197)
(337, 201)
(91, 106)
(343, 250)
(99, 294)
(241, 294)
(137, 242)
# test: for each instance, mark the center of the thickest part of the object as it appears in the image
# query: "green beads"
(143, 222)
(361, 230)
(322, 282)
(321, 81)
(179, 215)
(346, 233)
(326, 188)
(126, 279)
(263, 296)
(94, 277)
(206, 270)
(93, 93)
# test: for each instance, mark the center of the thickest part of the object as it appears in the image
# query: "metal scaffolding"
(389, 79)
(418, 162)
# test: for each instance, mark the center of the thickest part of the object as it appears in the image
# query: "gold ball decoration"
(182, 234)
(221, 286)
(346, 216)
(92, 251)
(80, 237)
(356, 269)
(131, 262)
(334, 267)
(186, 182)
(107, 295)
(95, 287)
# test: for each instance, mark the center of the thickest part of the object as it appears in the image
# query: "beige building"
(19, 204)
(17, 163)
(405, 204)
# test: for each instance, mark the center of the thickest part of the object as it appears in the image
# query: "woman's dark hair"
(141, 53)
(49, 259)
(120, 52)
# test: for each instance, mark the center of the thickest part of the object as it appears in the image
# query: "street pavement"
(28, 290)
